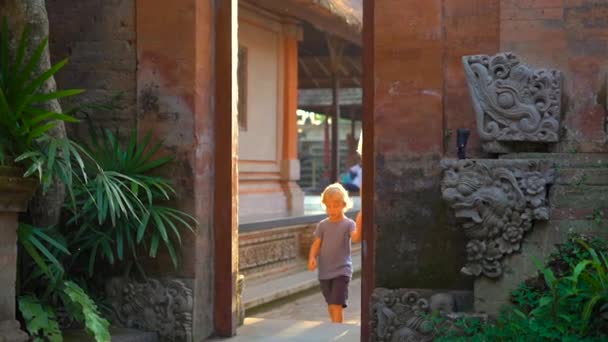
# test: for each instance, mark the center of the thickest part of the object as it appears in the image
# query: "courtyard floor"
(304, 320)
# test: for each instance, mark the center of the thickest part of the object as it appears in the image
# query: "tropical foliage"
(116, 205)
(568, 301)
(25, 126)
(119, 210)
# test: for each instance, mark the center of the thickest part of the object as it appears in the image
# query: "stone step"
(581, 196)
(581, 176)
(278, 330)
(118, 335)
(569, 160)
(258, 293)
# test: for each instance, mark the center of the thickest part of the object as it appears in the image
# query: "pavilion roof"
(343, 18)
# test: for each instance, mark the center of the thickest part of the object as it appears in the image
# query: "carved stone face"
(482, 202)
(513, 101)
(494, 202)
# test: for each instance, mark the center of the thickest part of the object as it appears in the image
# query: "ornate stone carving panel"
(267, 250)
(401, 315)
(513, 101)
(163, 306)
(495, 202)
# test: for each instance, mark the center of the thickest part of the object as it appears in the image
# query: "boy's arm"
(358, 233)
(314, 252)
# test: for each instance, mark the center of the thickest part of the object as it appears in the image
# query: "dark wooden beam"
(369, 234)
(226, 181)
(355, 64)
(314, 14)
(335, 46)
(322, 67)
(309, 75)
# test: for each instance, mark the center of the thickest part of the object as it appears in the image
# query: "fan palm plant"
(121, 207)
(27, 142)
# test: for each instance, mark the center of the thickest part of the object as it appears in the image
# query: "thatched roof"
(351, 11)
(343, 18)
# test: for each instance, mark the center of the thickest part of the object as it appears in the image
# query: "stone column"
(15, 192)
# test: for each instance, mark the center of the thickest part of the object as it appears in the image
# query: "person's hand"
(312, 264)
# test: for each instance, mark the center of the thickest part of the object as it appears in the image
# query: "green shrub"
(120, 210)
(114, 203)
(568, 301)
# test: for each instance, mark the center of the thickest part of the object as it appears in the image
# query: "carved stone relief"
(256, 253)
(513, 101)
(163, 306)
(401, 315)
(495, 202)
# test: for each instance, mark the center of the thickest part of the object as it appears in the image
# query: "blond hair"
(333, 190)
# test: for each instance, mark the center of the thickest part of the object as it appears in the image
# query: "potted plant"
(30, 156)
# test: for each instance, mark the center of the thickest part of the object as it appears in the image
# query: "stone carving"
(401, 315)
(163, 306)
(267, 251)
(513, 101)
(495, 202)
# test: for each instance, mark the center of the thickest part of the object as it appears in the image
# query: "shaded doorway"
(223, 236)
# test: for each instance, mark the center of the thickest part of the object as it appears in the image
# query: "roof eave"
(317, 15)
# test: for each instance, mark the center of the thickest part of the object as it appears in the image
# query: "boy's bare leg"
(336, 313)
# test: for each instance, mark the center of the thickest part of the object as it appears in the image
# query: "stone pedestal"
(290, 174)
(15, 192)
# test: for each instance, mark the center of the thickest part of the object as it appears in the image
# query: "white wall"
(261, 140)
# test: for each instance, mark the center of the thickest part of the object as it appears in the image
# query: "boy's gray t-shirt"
(334, 256)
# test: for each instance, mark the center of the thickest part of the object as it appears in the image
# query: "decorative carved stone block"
(267, 250)
(162, 306)
(401, 315)
(495, 201)
(513, 101)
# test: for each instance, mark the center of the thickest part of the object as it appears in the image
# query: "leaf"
(40, 320)
(96, 325)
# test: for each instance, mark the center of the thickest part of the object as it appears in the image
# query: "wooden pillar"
(335, 138)
(336, 47)
(367, 158)
(290, 119)
(290, 164)
(226, 176)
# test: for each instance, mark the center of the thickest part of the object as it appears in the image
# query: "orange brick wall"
(571, 35)
(421, 98)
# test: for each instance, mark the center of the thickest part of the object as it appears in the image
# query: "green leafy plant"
(40, 320)
(120, 209)
(87, 311)
(25, 127)
(27, 141)
(115, 204)
(568, 301)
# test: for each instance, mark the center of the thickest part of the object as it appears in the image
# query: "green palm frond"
(22, 120)
(118, 211)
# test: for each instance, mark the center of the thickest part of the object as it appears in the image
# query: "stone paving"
(303, 320)
(313, 307)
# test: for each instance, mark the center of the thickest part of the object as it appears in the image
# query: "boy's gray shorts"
(335, 290)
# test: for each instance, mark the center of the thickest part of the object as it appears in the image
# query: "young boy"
(332, 247)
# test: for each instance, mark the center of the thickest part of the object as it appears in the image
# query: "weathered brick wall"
(421, 97)
(470, 28)
(571, 35)
(98, 37)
